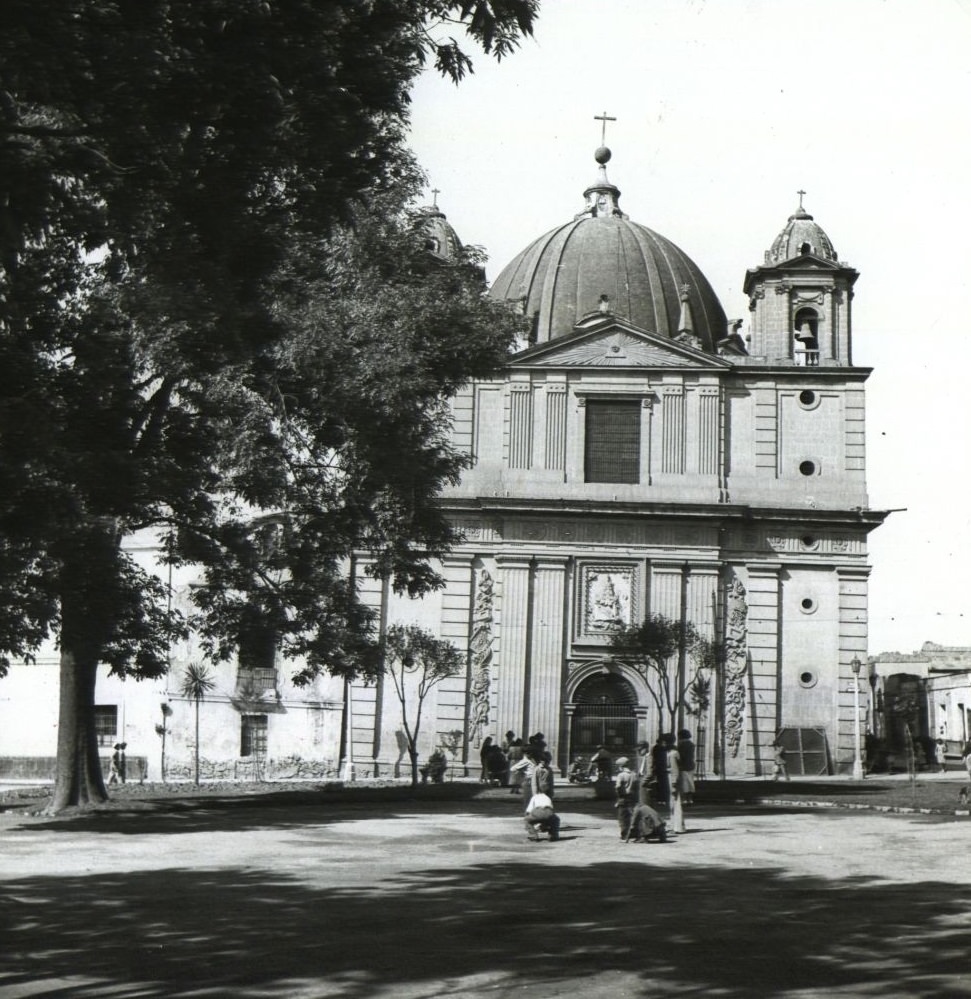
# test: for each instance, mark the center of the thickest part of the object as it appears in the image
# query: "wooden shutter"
(612, 450)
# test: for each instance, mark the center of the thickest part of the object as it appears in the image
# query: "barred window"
(106, 723)
(252, 740)
(612, 451)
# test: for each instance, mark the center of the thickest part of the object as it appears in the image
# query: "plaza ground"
(388, 893)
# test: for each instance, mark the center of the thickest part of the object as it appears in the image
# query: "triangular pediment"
(808, 262)
(616, 344)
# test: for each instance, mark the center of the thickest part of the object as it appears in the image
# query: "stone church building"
(639, 456)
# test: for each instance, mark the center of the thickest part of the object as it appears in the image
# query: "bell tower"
(800, 299)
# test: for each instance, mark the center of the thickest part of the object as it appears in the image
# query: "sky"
(724, 110)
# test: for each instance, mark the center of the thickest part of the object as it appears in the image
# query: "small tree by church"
(674, 658)
(416, 661)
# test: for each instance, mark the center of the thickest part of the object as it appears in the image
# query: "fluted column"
(546, 660)
(513, 643)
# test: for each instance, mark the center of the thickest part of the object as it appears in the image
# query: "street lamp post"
(855, 665)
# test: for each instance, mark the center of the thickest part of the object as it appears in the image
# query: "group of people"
(663, 779)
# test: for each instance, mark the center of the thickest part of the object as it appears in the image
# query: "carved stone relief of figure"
(736, 663)
(608, 601)
(480, 649)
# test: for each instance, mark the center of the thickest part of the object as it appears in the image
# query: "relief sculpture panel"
(736, 663)
(480, 650)
(607, 599)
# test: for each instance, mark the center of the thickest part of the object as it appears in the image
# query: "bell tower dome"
(800, 298)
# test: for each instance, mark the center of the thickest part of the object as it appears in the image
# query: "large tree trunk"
(78, 777)
(88, 567)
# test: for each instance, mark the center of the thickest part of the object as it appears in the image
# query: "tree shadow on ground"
(610, 928)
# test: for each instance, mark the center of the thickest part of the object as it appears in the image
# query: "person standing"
(543, 780)
(780, 767)
(659, 773)
(515, 773)
(625, 786)
(686, 754)
(644, 773)
(675, 801)
(484, 755)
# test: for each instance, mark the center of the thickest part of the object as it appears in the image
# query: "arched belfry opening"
(806, 335)
(605, 714)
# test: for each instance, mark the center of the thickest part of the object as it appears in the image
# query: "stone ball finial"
(602, 155)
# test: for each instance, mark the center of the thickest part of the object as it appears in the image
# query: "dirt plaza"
(319, 893)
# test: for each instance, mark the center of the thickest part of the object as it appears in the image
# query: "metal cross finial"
(435, 193)
(603, 118)
(800, 193)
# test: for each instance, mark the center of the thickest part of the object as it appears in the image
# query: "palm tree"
(197, 681)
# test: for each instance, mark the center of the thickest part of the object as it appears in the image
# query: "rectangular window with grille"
(612, 446)
(252, 740)
(106, 723)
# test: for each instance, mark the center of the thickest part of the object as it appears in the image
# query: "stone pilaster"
(764, 629)
(513, 614)
(853, 589)
(546, 648)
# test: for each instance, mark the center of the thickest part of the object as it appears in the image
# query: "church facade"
(636, 457)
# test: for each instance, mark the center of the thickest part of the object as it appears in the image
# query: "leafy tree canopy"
(216, 318)
(183, 192)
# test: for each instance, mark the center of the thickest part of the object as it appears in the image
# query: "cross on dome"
(603, 119)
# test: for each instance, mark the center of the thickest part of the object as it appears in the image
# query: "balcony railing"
(807, 358)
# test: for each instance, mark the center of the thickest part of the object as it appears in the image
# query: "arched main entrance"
(605, 713)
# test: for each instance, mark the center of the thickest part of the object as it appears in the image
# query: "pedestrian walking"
(116, 773)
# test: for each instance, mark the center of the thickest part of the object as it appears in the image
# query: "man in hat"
(625, 785)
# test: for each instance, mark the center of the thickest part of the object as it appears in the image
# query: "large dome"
(603, 262)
